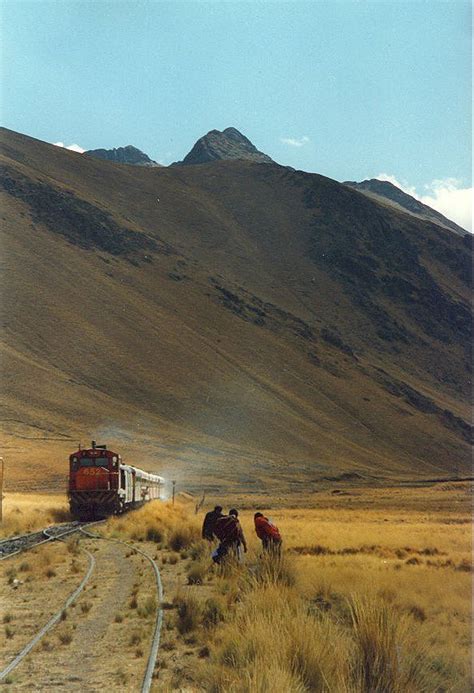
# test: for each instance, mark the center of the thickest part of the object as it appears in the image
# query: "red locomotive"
(100, 484)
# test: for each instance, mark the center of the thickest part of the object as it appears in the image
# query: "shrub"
(135, 639)
(155, 534)
(214, 612)
(182, 538)
(197, 572)
(199, 550)
(72, 545)
(148, 608)
(189, 613)
(65, 637)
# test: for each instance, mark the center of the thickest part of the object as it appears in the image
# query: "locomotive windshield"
(94, 461)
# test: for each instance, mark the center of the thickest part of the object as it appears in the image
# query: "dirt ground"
(103, 640)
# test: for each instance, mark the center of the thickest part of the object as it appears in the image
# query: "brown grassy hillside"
(233, 324)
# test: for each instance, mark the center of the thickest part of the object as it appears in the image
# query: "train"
(100, 484)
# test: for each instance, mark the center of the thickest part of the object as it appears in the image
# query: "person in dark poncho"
(229, 532)
(209, 522)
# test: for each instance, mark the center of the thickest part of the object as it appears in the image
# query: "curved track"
(57, 617)
(155, 643)
(12, 547)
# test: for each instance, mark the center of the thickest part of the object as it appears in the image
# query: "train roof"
(148, 476)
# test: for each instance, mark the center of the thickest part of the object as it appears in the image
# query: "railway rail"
(23, 542)
(16, 545)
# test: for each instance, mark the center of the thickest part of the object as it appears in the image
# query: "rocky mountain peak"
(230, 144)
(123, 155)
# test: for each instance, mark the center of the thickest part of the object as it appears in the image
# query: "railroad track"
(11, 547)
(24, 542)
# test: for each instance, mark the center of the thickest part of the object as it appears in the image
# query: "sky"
(350, 89)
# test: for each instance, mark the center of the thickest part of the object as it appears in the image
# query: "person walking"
(231, 537)
(210, 521)
(268, 533)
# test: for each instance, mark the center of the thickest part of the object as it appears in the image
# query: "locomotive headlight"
(74, 459)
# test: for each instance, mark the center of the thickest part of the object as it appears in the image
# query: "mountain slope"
(255, 328)
(228, 145)
(123, 155)
(385, 191)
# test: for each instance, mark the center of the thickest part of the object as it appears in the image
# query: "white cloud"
(293, 142)
(445, 195)
(72, 147)
(448, 197)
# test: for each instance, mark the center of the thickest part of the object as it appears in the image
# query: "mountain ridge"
(257, 325)
(386, 191)
(123, 155)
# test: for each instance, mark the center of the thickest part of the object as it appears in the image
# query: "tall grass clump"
(273, 569)
(275, 644)
(189, 612)
(159, 522)
(387, 657)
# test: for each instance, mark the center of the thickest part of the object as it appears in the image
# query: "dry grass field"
(26, 512)
(388, 592)
(366, 599)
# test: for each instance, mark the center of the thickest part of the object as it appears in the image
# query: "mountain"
(123, 155)
(229, 144)
(384, 191)
(231, 325)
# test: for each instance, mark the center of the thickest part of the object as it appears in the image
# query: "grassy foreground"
(363, 600)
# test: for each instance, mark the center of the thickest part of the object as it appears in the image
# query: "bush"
(182, 538)
(214, 612)
(148, 608)
(65, 637)
(155, 534)
(189, 613)
(197, 572)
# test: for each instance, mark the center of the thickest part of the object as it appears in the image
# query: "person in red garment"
(268, 533)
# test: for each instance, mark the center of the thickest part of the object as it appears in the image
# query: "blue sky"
(347, 88)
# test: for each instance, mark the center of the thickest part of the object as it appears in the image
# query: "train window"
(94, 462)
(122, 478)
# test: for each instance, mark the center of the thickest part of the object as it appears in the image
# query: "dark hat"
(218, 509)
(233, 512)
(257, 515)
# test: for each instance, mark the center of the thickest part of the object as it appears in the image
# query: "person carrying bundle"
(210, 521)
(268, 533)
(231, 537)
